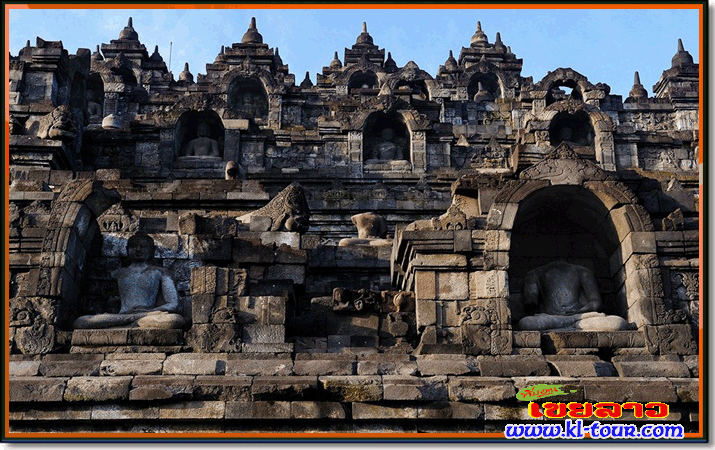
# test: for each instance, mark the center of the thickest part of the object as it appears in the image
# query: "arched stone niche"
(191, 131)
(247, 97)
(416, 89)
(575, 196)
(94, 95)
(53, 298)
(590, 128)
(563, 223)
(490, 83)
(363, 79)
(575, 128)
(556, 94)
(385, 138)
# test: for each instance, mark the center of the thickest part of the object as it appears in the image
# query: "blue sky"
(604, 45)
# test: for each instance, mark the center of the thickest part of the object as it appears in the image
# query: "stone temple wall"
(462, 186)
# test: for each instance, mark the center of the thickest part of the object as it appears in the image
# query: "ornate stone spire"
(128, 32)
(498, 44)
(451, 63)
(390, 64)
(252, 36)
(28, 48)
(682, 57)
(335, 63)
(479, 38)
(277, 58)
(222, 55)
(482, 94)
(156, 56)
(186, 75)
(364, 37)
(306, 83)
(638, 91)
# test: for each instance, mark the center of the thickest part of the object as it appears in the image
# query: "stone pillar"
(605, 150)
(418, 150)
(486, 323)
(355, 154)
(275, 113)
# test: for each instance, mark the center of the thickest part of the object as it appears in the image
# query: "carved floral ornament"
(563, 166)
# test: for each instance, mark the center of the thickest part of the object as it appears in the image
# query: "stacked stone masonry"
(466, 187)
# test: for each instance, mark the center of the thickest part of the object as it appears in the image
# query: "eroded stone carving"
(363, 300)
(372, 230)
(563, 166)
(147, 293)
(565, 296)
(288, 211)
(58, 124)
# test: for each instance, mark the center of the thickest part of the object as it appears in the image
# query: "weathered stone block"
(526, 339)
(258, 410)
(674, 339)
(324, 367)
(161, 387)
(285, 347)
(573, 339)
(687, 389)
(467, 410)
(215, 337)
(80, 365)
(263, 310)
(100, 337)
(193, 410)
(265, 334)
(220, 387)
(404, 368)
(284, 387)
(452, 285)
(194, 364)
(131, 367)
(572, 368)
(265, 367)
(146, 336)
(512, 366)
(23, 368)
(367, 411)
(443, 365)
(651, 369)
(293, 272)
(124, 412)
(489, 284)
(359, 388)
(202, 306)
(363, 324)
(36, 389)
(425, 313)
(620, 339)
(97, 389)
(62, 411)
(317, 410)
(481, 389)
(311, 344)
(628, 389)
(398, 387)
